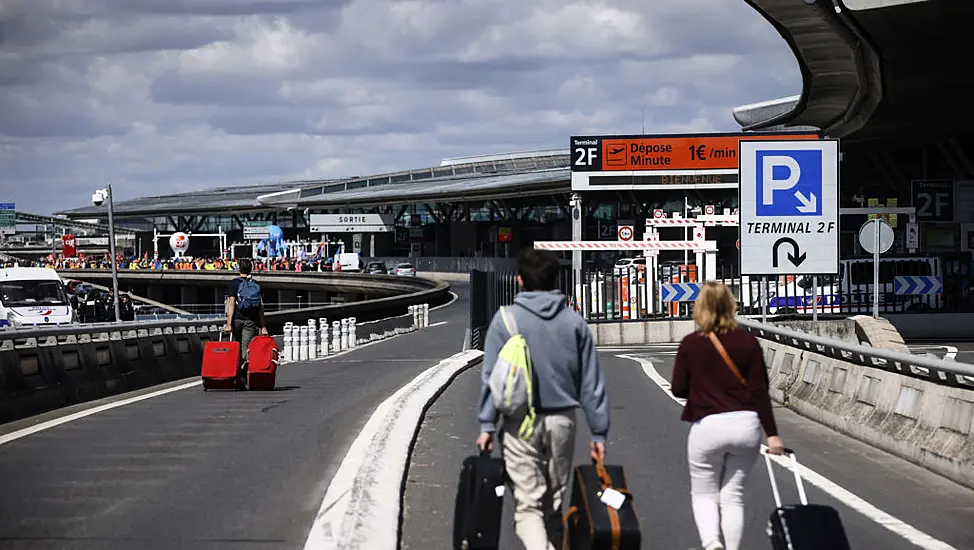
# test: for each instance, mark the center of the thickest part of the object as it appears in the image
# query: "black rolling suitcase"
(590, 523)
(803, 526)
(480, 499)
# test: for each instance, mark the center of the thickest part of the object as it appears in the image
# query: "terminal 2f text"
(784, 228)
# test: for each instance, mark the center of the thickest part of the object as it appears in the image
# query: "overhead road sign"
(789, 207)
(351, 223)
(684, 161)
(679, 292)
(256, 230)
(8, 218)
(917, 285)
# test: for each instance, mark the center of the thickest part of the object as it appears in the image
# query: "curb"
(361, 508)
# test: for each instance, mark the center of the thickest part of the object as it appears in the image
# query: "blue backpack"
(248, 294)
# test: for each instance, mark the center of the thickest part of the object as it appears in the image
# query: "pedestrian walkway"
(650, 441)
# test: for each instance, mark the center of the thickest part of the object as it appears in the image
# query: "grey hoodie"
(563, 356)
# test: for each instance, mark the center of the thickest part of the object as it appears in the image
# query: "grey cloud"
(168, 94)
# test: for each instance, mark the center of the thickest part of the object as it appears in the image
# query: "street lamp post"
(98, 198)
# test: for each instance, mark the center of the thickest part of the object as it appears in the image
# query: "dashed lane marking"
(908, 532)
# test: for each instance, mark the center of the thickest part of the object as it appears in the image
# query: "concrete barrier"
(39, 374)
(640, 332)
(928, 424)
(399, 292)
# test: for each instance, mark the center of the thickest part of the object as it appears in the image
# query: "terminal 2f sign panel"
(689, 161)
(789, 207)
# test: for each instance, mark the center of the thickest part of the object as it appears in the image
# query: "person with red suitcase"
(245, 308)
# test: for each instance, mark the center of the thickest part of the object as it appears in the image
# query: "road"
(650, 441)
(195, 470)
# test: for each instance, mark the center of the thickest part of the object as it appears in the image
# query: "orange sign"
(714, 152)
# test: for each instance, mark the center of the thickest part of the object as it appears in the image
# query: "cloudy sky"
(176, 95)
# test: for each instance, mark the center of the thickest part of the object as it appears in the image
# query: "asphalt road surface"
(648, 438)
(213, 470)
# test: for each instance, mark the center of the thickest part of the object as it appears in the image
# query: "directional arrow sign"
(796, 258)
(917, 285)
(789, 207)
(679, 292)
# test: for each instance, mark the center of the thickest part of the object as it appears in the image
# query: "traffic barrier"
(312, 340)
(925, 421)
(323, 336)
(55, 367)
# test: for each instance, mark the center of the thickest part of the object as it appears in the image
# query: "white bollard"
(312, 341)
(414, 310)
(426, 315)
(352, 338)
(336, 336)
(323, 323)
(303, 344)
(288, 341)
(344, 335)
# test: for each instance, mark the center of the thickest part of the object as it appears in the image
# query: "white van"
(33, 296)
(350, 261)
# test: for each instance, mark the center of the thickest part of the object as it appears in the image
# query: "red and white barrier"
(625, 245)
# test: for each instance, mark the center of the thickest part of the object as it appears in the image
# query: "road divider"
(362, 506)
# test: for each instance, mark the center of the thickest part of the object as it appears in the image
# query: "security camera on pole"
(98, 198)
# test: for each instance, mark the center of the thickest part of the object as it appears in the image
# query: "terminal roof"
(871, 69)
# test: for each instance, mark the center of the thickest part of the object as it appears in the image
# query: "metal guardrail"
(940, 371)
(101, 328)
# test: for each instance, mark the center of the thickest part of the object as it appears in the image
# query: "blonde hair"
(715, 308)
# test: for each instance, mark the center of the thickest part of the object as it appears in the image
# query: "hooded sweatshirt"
(564, 360)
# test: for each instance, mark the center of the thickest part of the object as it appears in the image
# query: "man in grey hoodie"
(567, 376)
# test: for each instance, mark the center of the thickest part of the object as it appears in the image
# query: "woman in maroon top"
(720, 371)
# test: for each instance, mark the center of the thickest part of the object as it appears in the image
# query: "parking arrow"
(796, 258)
(809, 204)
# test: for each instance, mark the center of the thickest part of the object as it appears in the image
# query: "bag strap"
(727, 359)
(510, 323)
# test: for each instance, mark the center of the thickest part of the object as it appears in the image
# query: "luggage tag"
(499, 491)
(613, 498)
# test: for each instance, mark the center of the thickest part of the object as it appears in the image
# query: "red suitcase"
(221, 364)
(262, 359)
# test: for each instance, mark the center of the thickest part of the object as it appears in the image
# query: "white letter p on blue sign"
(771, 183)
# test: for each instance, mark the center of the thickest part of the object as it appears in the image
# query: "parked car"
(405, 270)
(376, 268)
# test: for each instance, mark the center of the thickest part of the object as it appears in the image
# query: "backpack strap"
(510, 323)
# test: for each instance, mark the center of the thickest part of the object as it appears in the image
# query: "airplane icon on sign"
(616, 151)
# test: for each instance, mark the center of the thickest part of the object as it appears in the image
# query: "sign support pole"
(577, 225)
(815, 298)
(876, 268)
(372, 245)
(764, 299)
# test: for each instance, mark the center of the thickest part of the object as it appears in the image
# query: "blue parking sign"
(789, 183)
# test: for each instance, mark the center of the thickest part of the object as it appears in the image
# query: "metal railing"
(939, 371)
(43, 331)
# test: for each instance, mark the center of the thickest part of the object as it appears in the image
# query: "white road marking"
(908, 532)
(360, 509)
(951, 353)
(13, 436)
(441, 323)
(450, 303)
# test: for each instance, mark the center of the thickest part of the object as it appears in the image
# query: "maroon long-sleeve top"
(710, 387)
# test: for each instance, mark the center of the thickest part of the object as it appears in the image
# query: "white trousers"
(721, 450)
(539, 469)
